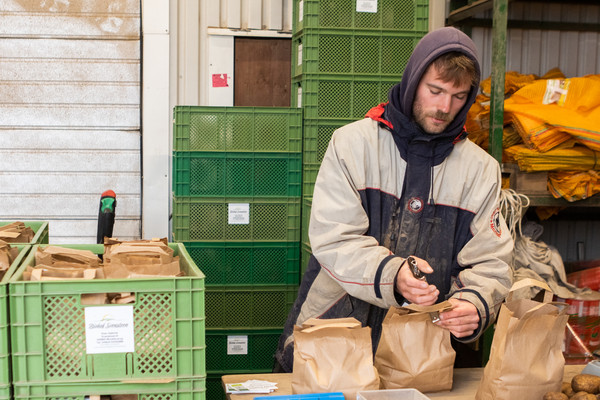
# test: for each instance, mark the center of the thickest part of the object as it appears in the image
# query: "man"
(406, 181)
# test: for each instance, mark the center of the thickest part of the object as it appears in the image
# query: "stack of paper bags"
(139, 259)
(16, 232)
(60, 263)
(7, 255)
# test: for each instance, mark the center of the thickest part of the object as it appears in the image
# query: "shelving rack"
(465, 17)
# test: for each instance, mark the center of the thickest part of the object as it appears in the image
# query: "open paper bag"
(139, 259)
(413, 352)
(333, 355)
(526, 358)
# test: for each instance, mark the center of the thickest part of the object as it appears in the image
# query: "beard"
(422, 118)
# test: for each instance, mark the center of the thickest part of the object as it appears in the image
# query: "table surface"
(464, 387)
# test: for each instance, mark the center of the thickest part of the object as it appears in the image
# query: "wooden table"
(466, 381)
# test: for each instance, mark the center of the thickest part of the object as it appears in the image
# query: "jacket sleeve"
(338, 223)
(486, 258)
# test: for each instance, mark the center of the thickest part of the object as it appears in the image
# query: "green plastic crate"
(236, 351)
(391, 15)
(305, 257)
(349, 52)
(40, 228)
(306, 207)
(338, 97)
(179, 389)
(244, 307)
(237, 174)
(237, 129)
(309, 178)
(317, 135)
(240, 263)
(5, 375)
(210, 219)
(48, 327)
(214, 387)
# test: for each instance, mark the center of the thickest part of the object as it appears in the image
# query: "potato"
(567, 389)
(555, 396)
(585, 383)
(583, 396)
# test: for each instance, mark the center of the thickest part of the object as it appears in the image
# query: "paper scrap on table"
(251, 386)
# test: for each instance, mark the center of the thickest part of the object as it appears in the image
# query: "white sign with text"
(109, 330)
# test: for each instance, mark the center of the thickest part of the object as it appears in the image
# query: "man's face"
(437, 102)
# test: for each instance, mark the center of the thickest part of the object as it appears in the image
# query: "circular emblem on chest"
(495, 222)
(415, 204)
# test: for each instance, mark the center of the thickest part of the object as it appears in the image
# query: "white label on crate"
(299, 97)
(239, 213)
(300, 54)
(237, 345)
(369, 6)
(300, 10)
(109, 330)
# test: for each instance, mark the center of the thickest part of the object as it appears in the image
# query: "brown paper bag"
(413, 352)
(333, 355)
(51, 255)
(16, 232)
(526, 358)
(139, 259)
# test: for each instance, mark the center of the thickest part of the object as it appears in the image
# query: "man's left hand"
(462, 320)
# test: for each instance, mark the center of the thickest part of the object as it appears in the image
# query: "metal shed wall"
(70, 114)
(536, 51)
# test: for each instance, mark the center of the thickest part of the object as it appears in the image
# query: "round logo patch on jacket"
(415, 204)
(495, 222)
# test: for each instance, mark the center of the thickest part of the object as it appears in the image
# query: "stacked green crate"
(64, 344)
(237, 183)
(345, 57)
(5, 367)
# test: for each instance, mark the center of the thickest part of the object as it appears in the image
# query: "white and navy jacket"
(386, 190)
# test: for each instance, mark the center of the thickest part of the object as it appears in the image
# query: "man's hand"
(414, 290)
(462, 320)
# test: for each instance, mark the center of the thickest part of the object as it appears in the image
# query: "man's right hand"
(414, 290)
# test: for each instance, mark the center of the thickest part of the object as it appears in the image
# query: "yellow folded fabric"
(564, 157)
(574, 185)
(513, 81)
(547, 110)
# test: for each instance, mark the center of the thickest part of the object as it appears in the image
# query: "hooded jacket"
(386, 190)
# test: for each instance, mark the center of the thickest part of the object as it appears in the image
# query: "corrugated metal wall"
(535, 51)
(70, 114)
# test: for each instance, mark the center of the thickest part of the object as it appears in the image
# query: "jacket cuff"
(484, 315)
(385, 281)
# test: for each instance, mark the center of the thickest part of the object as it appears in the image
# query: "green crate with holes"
(5, 376)
(40, 229)
(339, 98)
(237, 174)
(236, 351)
(317, 135)
(236, 219)
(177, 389)
(350, 52)
(244, 307)
(237, 129)
(306, 252)
(306, 208)
(382, 15)
(244, 263)
(59, 332)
